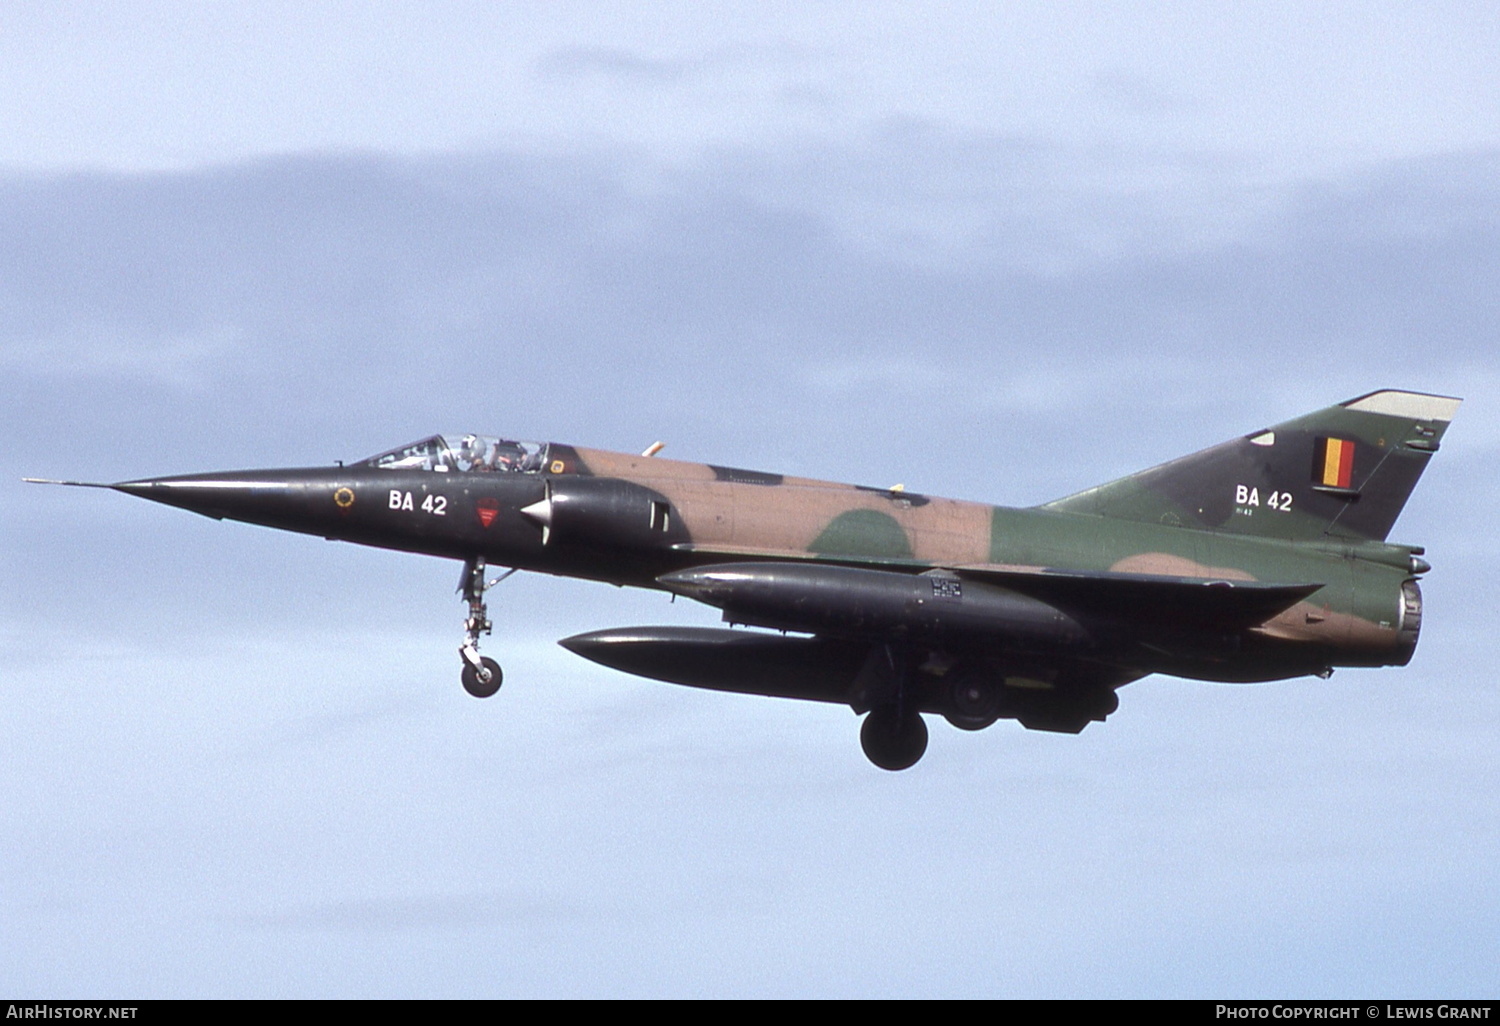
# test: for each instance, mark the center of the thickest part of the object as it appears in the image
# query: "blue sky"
(999, 253)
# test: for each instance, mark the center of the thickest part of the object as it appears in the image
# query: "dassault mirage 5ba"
(1259, 559)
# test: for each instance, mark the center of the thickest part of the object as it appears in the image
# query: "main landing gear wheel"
(485, 681)
(481, 674)
(893, 741)
(973, 704)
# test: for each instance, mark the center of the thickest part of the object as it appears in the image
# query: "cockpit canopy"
(474, 454)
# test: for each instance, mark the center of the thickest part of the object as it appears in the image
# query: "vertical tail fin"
(1344, 472)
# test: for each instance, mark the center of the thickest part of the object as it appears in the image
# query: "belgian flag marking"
(1336, 468)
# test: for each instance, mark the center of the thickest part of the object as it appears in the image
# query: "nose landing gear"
(481, 674)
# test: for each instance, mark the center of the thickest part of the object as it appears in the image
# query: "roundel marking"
(343, 498)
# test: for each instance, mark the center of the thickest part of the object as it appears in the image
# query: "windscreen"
(477, 454)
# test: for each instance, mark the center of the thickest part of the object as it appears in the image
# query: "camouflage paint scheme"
(1258, 559)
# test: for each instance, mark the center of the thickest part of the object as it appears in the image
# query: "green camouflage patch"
(863, 532)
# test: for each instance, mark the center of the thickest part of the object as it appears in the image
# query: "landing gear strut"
(481, 675)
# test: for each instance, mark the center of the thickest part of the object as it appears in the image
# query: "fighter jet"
(1259, 559)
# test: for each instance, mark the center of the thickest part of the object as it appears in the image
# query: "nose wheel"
(485, 681)
(481, 674)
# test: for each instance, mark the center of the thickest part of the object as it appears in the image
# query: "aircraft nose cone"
(259, 497)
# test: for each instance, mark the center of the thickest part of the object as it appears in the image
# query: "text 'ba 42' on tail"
(1259, 559)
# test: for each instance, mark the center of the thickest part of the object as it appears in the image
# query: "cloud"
(378, 298)
(631, 67)
(610, 62)
(1127, 92)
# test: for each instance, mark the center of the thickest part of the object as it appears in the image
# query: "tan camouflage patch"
(1168, 565)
